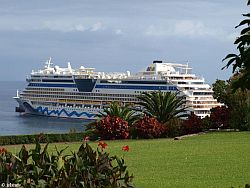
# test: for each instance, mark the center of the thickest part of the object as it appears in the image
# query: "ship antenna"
(48, 63)
(187, 67)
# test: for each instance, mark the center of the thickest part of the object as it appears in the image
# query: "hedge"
(47, 138)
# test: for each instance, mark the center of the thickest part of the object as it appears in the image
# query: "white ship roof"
(157, 70)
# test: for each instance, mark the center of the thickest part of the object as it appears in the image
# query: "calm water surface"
(12, 123)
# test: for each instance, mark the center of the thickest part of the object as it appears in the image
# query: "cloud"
(122, 33)
(71, 26)
(187, 28)
(191, 28)
(119, 32)
(97, 26)
(80, 27)
(59, 25)
(62, 26)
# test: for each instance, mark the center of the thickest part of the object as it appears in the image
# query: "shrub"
(191, 125)
(112, 127)
(219, 117)
(125, 112)
(173, 127)
(206, 123)
(44, 138)
(148, 127)
(86, 168)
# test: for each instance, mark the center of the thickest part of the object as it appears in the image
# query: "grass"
(211, 160)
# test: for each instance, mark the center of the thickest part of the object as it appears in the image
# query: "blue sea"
(12, 123)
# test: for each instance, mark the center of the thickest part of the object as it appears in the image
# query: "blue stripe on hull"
(107, 86)
(138, 87)
(52, 85)
(58, 113)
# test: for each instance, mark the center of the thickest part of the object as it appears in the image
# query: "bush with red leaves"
(112, 127)
(219, 117)
(191, 125)
(148, 127)
(173, 127)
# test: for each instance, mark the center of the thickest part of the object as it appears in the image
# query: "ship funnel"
(157, 61)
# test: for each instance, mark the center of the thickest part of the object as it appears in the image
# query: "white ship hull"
(60, 112)
(83, 93)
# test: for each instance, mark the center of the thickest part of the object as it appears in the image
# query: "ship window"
(181, 82)
(78, 106)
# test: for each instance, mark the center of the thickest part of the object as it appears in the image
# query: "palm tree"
(124, 112)
(241, 61)
(162, 106)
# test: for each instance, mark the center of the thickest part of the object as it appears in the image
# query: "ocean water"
(12, 123)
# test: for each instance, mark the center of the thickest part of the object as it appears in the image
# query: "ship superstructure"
(83, 92)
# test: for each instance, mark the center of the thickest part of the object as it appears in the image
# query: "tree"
(240, 110)
(220, 88)
(123, 112)
(238, 102)
(241, 61)
(220, 117)
(163, 106)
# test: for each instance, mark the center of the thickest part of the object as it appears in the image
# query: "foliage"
(112, 127)
(240, 111)
(220, 88)
(173, 127)
(148, 127)
(191, 125)
(238, 103)
(124, 112)
(163, 106)
(51, 138)
(86, 168)
(220, 117)
(241, 61)
(206, 123)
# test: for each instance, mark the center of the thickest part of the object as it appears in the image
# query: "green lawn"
(211, 160)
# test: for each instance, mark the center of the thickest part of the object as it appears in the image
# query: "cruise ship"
(84, 92)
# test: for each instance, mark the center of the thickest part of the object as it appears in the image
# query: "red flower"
(3, 150)
(102, 144)
(125, 148)
(86, 138)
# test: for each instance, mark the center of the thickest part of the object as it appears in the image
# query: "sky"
(116, 36)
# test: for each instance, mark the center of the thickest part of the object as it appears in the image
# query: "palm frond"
(162, 105)
(124, 112)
